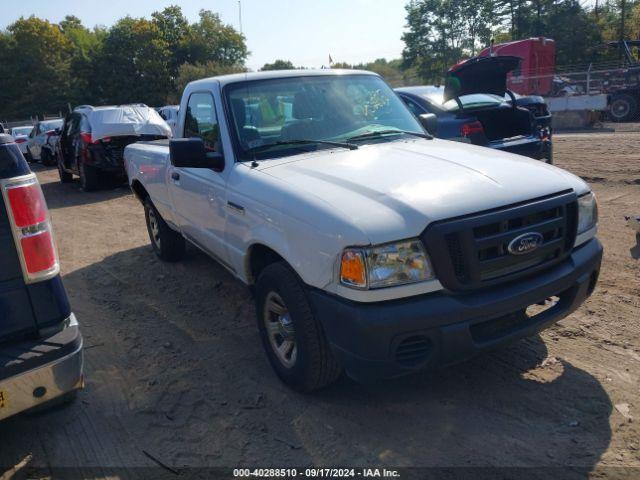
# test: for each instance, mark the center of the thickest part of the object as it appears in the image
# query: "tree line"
(44, 67)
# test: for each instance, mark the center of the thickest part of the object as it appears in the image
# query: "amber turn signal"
(352, 269)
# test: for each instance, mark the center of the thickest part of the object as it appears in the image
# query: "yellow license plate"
(4, 401)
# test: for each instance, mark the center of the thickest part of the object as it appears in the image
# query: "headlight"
(587, 212)
(385, 265)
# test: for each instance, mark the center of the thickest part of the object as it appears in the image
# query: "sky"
(305, 32)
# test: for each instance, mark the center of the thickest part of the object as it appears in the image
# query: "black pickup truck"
(40, 342)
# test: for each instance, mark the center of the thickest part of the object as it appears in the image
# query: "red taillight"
(472, 128)
(39, 253)
(51, 133)
(86, 137)
(27, 205)
(31, 227)
(21, 140)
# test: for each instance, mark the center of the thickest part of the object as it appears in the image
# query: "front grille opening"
(538, 308)
(501, 249)
(413, 351)
(457, 257)
(508, 225)
(500, 327)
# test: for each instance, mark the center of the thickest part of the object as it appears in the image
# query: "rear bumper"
(388, 339)
(35, 372)
(532, 147)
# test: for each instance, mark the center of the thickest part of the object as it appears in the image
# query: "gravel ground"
(176, 373)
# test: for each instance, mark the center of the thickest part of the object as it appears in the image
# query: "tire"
(623, 108)
(28, 157)
(284, 316)
(46, 158)
(89, 180)
(168, 244)
(65, 177)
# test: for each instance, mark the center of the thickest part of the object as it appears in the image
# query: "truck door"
(199, 194)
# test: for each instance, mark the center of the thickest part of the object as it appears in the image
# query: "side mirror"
(430, 123)
(191, 153)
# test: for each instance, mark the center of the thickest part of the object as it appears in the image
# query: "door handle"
(175, 176)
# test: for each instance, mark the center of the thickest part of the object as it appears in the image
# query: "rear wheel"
(168, 244)
(293, 338)
(89, 180)
(623, 108)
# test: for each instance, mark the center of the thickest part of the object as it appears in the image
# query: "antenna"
(240, 15)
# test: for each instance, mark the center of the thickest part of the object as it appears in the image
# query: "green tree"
(210, 40)
(174, 29)
(189, 72)
(436, 36)
(86, 46)
(36, 58)
(132, 65)
(278, 65)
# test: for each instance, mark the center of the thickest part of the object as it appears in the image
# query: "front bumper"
(388, 339)
(36, 371)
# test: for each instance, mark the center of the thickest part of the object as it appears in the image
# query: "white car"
(170, 115)
(42, 141)
(21, 136)
(369, 245)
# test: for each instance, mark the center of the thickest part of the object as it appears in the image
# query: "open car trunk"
(110, 151)
(504, 122)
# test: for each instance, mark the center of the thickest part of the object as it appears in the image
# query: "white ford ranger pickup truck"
(370, 246)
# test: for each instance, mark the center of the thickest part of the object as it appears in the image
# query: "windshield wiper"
(267, 146)
(380, 133)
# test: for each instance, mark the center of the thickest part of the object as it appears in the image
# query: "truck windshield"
(270, 117)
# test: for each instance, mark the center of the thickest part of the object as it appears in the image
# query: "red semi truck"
(535, 74)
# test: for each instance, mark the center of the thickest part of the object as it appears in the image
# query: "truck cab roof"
(249, 76)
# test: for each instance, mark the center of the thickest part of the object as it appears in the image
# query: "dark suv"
(40, 342)
(93, 140)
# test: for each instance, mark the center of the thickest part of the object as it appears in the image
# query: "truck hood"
(480, 75)
(394, 190)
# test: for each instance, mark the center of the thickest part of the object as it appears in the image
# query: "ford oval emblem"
(525, 243)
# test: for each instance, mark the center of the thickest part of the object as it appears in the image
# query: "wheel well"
(260, 256)
(139, 190)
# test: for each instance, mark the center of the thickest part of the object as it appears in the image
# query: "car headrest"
(239, 112)
(303, 106)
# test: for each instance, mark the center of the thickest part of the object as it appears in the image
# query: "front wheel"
(168, 244)
(293, 338)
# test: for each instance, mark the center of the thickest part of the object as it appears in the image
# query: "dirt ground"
(175, 371)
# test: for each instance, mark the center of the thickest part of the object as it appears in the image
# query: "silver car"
(21, 136)
(42, 141)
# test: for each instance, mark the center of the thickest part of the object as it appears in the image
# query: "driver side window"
(201, 121)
